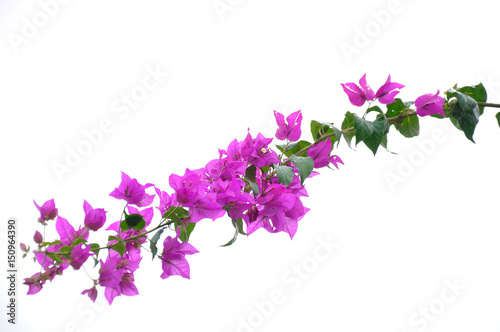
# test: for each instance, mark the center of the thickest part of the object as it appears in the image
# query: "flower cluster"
(68, 250)
(427, 104)
(242, 183)
(359, 94)
(250, 183)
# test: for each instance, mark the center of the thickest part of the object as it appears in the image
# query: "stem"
(160, 225)
(488, 105)
(391, 120)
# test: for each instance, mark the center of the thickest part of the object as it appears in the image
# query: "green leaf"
(94, 247)
(119, 247)
(65, 250)
(112, 238)
(338, 136)
(476, 92)
(185, 231)
(395, 108)
(250, 172)
(51, 243)
(384, 144)
(346, 124)
(304, 165)
(96, 261)
(498, 118)
(375, 109)
(364, 128)
(409, 127)
(238, 226)
(375, 139)
(55, 257)
(250, 179)
(133, 221)
(124, 226)
(465, 112)
(255, 187)
(293, 148)
(79, 241)
(285, 174)
(319, 129)
(154, 240)
(176, 212)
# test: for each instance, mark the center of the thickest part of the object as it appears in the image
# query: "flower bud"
(94, 218)
(48, 211)
(38, 237)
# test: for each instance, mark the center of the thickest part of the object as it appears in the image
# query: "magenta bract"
(291, 128)
(386, 93)
(358, 95)
(94, 218)
(429, 104)
(320, 153)
(48, 211)
(173, 260)
(133, 192)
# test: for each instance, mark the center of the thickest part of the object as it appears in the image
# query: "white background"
(227, 72)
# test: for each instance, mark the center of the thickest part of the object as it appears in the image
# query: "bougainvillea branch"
(249, 182)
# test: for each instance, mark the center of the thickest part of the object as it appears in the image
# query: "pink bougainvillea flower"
(188, 188)
(91, 292)
(133, 192)
(233, 198)
(67, 233)
(429, 104)
(224, 169)
(191, 192)
(94, 218)
(358, 95)
(256, 151)
(291, 128)
(35, 283)
(109, 275)
(386, 93)
(116, 275)
(126, 287)
(48, 211)
(166, 201)
(147, 214)
(173, 260)
(320, 153)
(79, 255)
(277, 211)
